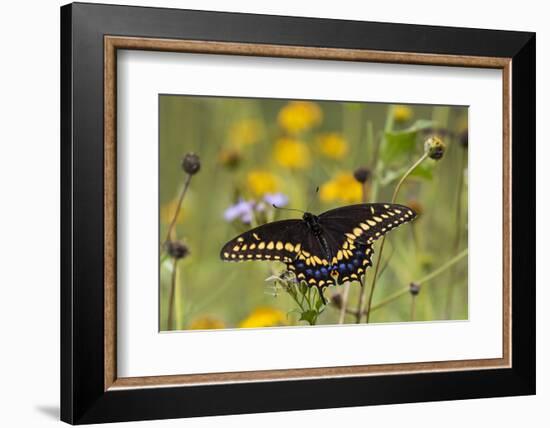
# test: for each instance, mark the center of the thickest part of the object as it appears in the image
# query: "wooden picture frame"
(91, 390)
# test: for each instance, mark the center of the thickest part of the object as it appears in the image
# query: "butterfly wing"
(351, 231)
(279, 240)
(342, 253)
(288, 241)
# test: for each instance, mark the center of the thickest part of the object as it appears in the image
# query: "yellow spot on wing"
(256, 236)
(279, 245)
(289, 247)
(261, 245)
(372, 223)
(240, 239)
(357, 231)
(364, 226)
(236, 248)
(270, 246)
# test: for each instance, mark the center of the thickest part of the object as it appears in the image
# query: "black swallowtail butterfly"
(328, 249)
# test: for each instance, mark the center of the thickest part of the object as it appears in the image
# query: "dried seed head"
(191, 163)
(362, 174)
(414, 288)
(434, 147)
(416, 206)
(337, 300)
(463, 138)
(230, 158)
(176, 249)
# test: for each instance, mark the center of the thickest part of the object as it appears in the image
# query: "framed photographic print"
(256, 207)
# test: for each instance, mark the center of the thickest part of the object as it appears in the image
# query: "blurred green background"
(256, 149)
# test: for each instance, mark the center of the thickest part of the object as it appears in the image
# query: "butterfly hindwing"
(280, 240)
(345, 265)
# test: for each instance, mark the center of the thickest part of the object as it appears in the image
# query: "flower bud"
(362, 174)
(191, 163)
(434, 147)
(414, 288)
(176, 249)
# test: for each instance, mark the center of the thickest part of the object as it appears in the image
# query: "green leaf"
(309, 316)
(397, 144)
(400, 143)
(421, 124)
(319, 303)
(425, 170)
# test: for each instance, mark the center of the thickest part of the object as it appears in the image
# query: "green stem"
(406, 290)
(409, 171)
(379, 257)
(178, 207)
(172, 298)
(456, 243)
(361, 303)
(345, 296)
(413, 307)
(421, 281)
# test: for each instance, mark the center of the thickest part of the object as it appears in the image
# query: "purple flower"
(242, 210)
(277, 199)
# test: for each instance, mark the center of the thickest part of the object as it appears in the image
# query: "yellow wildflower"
(261, 182)
(402, 113)
(264, 316)
(245, 132)
(206, 323)
(299, 116)
(332, 145)
(168, 210)
(291, 153)
(342, 188)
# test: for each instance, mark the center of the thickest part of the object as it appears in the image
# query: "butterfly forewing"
(280, 240)
(364, 223)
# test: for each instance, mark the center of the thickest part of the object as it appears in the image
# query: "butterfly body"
(327, 249)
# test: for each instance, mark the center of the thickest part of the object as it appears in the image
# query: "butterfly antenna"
(287, 209)
(312, 197)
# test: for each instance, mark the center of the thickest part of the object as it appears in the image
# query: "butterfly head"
(312, 222)
(310, 219)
